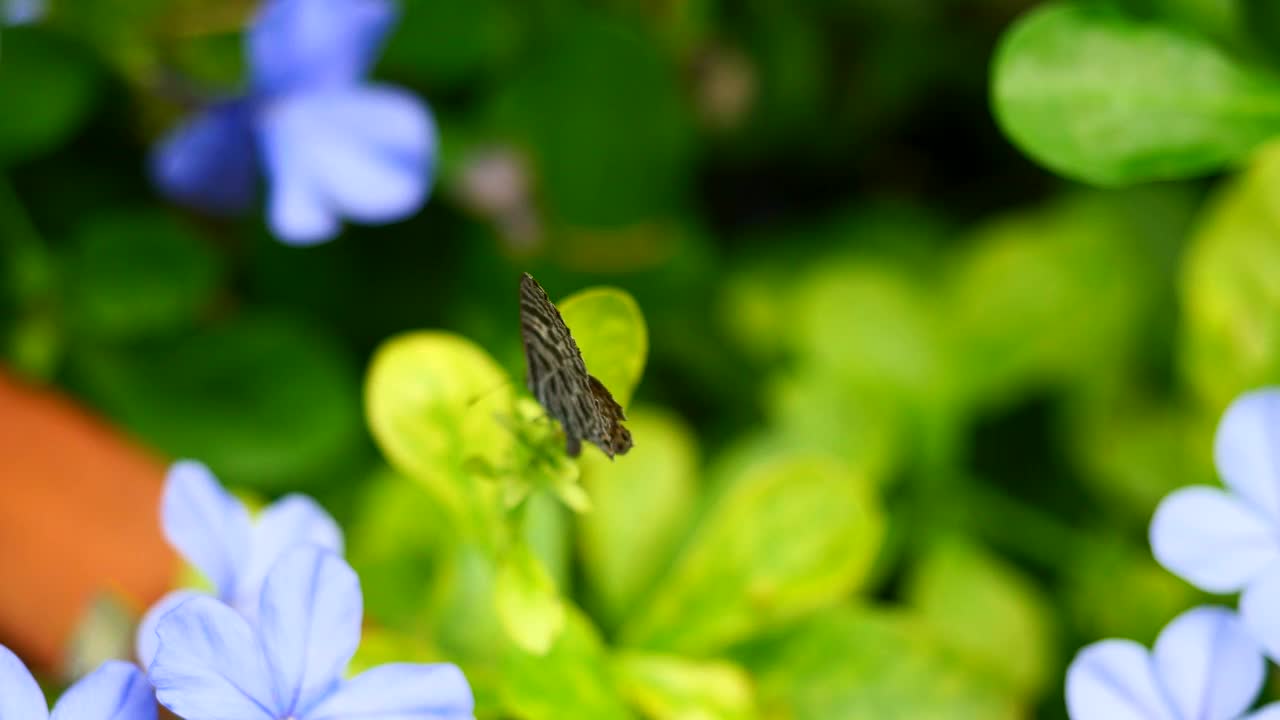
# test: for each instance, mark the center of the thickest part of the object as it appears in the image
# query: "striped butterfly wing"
(558, 378)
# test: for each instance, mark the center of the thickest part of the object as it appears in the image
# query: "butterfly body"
(558, 377)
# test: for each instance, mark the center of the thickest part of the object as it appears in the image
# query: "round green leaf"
(610, 331)
(135, 273)
(47, 88)
(1105, 99)
(785, 538)
(665, 686)
(641, 508)
(266, 401)
(433, 400)
(987, 613)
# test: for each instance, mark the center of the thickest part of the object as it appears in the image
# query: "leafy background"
(905, 391)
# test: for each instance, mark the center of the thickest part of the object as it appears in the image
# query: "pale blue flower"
(1204, 666)
(115, 691)
(329, 145)
(22, 12)
(1225, 541)
(213, 531)
(212, 664)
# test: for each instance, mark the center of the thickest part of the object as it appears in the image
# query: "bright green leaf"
(47, 88)
(529, 605)
(1231, 338)
(1141, 597)
(1109, 100)
(641, 508)
(432, 400)
(134, 273)
(572, 680)
(987, 613)
(610, 331)
(673, 688)
(785, 538)
(869, 663)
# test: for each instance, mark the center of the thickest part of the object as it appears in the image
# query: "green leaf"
(1140, 595)
(987, 613)
(397, 544)
(611, 333)
(379, 647)
(528, 602)
(432, 399)
(47, 87)
(785, 538)
(869, 663)
(1231, 337)
(642, 505)
(266, 401)
(452, 41)
(669, 687)
(1082, 266)
(137, 273)
(596, 75)
(572, 680)
(1108, 100)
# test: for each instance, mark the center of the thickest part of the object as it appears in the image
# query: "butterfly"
(558, 378)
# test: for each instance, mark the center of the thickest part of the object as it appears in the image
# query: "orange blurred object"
(79, 516)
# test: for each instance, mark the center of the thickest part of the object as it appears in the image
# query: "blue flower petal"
(1210, 667)
(115, 691)
(401, 691)
(291, 521)
(366, 153)
(309, 624)
(209, 162)
(1212, 539)
(303, 44)
(24, 12)
(20, 696)
(206, 524)
(145, 640)
(1260, 610)
(210, 666)
(1115, 679)
(1246, 450)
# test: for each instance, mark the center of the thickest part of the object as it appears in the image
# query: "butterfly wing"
(557, 377)
(613, 438)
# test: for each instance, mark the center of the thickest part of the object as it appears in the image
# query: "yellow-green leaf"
(610, 331)
(666, 687)
(528, 603)
(870, 663)
(432, 399)
(641, 508)
(1230, 293)
(785, 538)
(987, 613)
(572, 680)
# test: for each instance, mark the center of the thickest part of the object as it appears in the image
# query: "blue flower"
(1225, 541)
(115, 691)
(213, 665)
(329, 145)
(214, 533)
(1204, 666)
(22, 12)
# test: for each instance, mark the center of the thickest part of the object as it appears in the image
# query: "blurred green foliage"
(902, 401)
